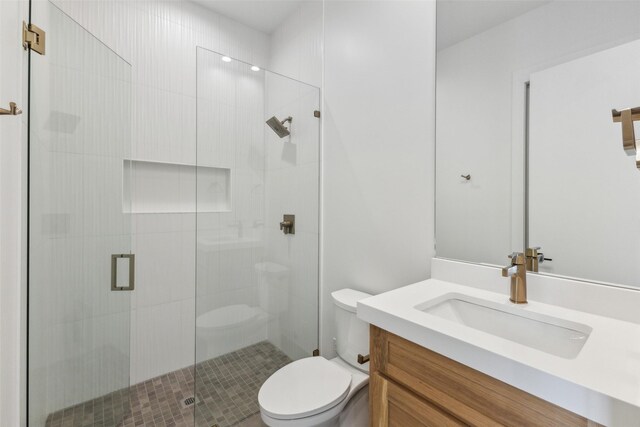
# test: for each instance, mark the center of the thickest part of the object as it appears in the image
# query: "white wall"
(12, 143)
(296, 45)
(378, 148)
(480, 103)
(159, 39)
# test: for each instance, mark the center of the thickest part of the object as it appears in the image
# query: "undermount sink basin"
(555, 336)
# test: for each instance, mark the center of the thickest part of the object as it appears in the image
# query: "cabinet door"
(394, 406)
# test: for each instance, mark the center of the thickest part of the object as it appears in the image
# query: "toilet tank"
(352, 334)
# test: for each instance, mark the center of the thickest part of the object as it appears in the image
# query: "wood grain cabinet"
(413, 386)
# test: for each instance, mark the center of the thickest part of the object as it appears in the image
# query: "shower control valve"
(288, 224)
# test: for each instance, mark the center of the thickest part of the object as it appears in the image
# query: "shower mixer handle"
(285, 224)
(288, 224)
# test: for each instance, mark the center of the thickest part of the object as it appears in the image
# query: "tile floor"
(227, 386)
(227, 395)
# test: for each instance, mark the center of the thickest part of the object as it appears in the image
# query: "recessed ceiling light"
(226, 59)
(255, 68)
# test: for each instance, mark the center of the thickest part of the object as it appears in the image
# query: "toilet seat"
(304, 388)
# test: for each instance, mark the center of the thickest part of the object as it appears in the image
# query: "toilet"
(318, 392)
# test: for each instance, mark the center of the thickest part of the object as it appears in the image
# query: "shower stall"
(166, 283)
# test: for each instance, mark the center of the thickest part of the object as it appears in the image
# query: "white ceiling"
(458, 20)
(262, 15)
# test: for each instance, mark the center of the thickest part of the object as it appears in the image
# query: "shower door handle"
(125, 281)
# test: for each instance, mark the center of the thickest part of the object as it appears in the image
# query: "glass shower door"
(80, 264)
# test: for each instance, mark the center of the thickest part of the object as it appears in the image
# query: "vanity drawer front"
(395, 406)
(471, 396)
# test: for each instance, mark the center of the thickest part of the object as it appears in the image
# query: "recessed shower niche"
(159, 187)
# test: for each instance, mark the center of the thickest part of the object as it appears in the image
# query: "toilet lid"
(303, 388)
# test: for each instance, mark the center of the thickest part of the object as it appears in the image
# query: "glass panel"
(257, 288)
(80, 127)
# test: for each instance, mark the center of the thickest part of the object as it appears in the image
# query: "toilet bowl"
(318, 392)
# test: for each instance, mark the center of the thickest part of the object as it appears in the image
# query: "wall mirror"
(527, 151)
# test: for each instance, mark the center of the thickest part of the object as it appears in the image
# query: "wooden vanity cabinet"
(413, 386)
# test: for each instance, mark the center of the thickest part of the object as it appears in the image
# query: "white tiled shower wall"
(159, 39)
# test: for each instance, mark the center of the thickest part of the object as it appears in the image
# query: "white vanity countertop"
(602, 383)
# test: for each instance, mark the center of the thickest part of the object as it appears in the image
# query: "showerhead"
(278, 126)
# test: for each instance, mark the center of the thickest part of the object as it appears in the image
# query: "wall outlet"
(335, 345)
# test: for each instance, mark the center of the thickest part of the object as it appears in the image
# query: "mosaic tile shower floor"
(227, 395)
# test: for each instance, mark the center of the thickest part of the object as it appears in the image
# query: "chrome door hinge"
(33, 38)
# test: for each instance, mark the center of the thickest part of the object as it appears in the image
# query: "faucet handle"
(509, 271)
(517, 258)
(288, 224)
(534, 252)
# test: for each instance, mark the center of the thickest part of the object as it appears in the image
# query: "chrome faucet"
(517, 271)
